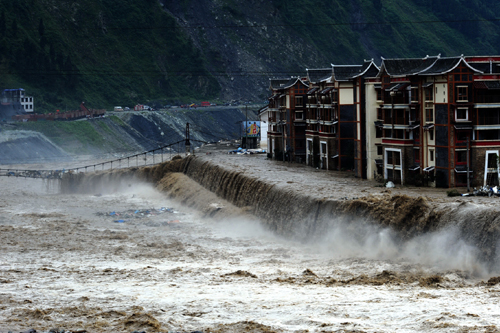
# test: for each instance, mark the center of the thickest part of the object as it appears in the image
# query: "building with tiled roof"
(425, 121)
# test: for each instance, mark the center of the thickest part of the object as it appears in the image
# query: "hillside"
(119, 134)
(157, 51)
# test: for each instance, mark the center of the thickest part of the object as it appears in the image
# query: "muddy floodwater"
(133, 260)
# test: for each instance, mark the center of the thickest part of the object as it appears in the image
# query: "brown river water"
(166, 266)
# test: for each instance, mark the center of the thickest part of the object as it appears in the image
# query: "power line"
(261, 26)
(150, 73)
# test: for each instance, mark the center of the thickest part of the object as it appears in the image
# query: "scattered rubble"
(484, 191)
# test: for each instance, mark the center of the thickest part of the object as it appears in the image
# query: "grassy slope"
(85, 137)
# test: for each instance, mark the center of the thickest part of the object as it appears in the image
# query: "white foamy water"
(65, 263)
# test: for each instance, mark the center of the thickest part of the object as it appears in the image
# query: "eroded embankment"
(294, 214)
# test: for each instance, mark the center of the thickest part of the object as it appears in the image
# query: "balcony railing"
(487, 98)
(397, 121)
(490, 120)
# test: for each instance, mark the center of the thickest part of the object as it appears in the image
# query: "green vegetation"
(73, 136)
(349, 31)
(112, 52)
(117, 121)
(104, 52)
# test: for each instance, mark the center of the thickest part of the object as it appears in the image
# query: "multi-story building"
(286, 125)
(336, 110)
(399, 117)
(425, 121)
(321, 116)
(18, 100)
(481, 111)
(433, 123)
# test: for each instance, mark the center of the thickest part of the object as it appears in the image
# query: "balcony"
(395, 121)
(488, 117)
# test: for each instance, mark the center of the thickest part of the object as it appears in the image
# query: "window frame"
(466, 114)
(462, 94)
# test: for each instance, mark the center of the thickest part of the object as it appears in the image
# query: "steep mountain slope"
(120, 134)
(125, 52)
(105, 52)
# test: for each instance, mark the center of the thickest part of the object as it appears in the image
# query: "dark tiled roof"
(442, 65)
(345, 73)
(318, 75)
(486, 67)
(370, 69)
(279, 83)
(284, 83)
(482, 66)
(403, 67)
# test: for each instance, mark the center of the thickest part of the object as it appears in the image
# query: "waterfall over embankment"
(197, 183)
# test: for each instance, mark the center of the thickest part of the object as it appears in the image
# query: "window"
(378, 132)
(428, 94)
(309, 145)
(431, 155)
(462, 136)
(389, 157)
(488, 135)
(379, 94)
(462, 94)
(492, 160)
(431, 134)
(380, 150)
(323, 147)
(298, 101)
(414, 94)
(399, 134)
(299, 115)
(429, 115)
(416, 155)
(397, 158)
(334, 96)
(461, 114)
(461, 156)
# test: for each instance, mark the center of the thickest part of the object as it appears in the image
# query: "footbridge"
(146, 158)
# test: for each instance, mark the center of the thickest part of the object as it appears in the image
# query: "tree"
(41, 28)
(13, 29)
(3, 24)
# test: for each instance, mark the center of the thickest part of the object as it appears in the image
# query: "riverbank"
(306, 204)
(114, 254)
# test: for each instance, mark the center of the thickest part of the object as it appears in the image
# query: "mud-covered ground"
(65, 263)
(319, 183)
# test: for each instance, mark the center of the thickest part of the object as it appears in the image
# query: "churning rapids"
(190, 245)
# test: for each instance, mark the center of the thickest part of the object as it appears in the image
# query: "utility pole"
(188, 142)
(283, 135)
(246, 127)
(468, 179)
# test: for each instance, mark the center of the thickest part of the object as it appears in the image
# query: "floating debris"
(484, 191)
(136, 213)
